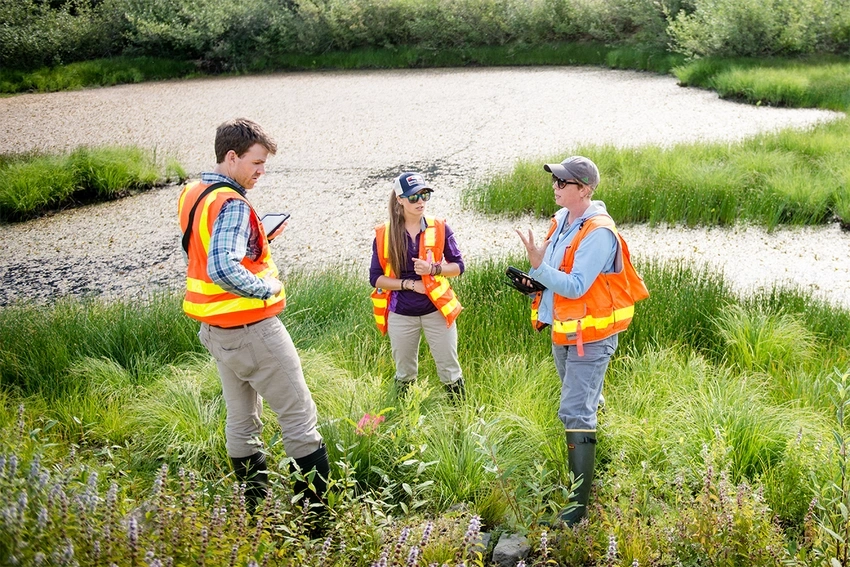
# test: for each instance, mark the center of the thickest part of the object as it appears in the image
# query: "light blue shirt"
(596, 255)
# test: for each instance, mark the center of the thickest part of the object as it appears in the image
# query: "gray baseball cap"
(575, 167)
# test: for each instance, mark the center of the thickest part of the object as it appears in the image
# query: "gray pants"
(405, 331)
(581, 381)
(256, 362)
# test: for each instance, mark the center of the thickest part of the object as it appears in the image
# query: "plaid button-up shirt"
(232, 239)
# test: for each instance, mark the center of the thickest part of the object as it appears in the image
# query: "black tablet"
(272, 221)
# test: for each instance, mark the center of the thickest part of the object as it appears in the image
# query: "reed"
(794, 177)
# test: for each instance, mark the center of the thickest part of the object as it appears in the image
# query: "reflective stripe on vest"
(381, 297)
(205, 300)
(600, 324)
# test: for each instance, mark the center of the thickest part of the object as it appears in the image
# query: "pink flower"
(368, 424)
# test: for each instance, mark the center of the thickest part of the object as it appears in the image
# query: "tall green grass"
(791, 177)
(41, 344)
(97, 72)
(709, 393)
(33, 184)
(518, 54)
(811, 82)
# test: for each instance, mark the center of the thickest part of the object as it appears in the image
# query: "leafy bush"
(35, 34)
(235, 35)
(220, 33)
(758, 28)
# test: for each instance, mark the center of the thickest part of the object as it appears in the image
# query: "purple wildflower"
(35, 468)
(426, 534)
(611, 554)
(412, 557)
(402, 539)
(41, 521)
(326, 547)
(470, 537)
(13, 465)
(133, 537)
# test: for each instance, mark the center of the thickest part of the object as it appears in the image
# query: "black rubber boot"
(456, 390)
(318, 461)
(401, 389)
(581, 450)
(251, 471)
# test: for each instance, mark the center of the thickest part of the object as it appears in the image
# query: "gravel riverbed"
(342, 136)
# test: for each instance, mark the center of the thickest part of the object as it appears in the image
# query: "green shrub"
(756, 28)
(36, 34)
(220, 33)
(238, 36)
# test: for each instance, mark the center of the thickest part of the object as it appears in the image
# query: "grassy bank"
(95, 73)
(807, 82)
(790, 177)
(107, 72)
(718, 428)
(32, 184)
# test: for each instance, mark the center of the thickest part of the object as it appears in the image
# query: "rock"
(510, 549)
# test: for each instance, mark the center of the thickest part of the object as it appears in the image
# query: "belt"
(245, 326)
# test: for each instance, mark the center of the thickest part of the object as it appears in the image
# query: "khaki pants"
(259, 362)
(405, 331)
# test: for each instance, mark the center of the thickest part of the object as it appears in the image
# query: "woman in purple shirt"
(410, 310)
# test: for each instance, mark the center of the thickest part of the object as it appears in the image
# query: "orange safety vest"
(606, 308)
(432, 239)
(205, 300)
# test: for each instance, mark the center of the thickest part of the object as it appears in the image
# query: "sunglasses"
(563, 182)
(425, 196)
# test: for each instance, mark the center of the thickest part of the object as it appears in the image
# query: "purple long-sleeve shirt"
(409, 302)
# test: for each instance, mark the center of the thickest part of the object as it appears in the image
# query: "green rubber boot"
(581, 449)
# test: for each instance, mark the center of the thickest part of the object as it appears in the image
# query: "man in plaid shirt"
(233, 289)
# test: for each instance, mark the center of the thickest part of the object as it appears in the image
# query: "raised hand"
(535, 253)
